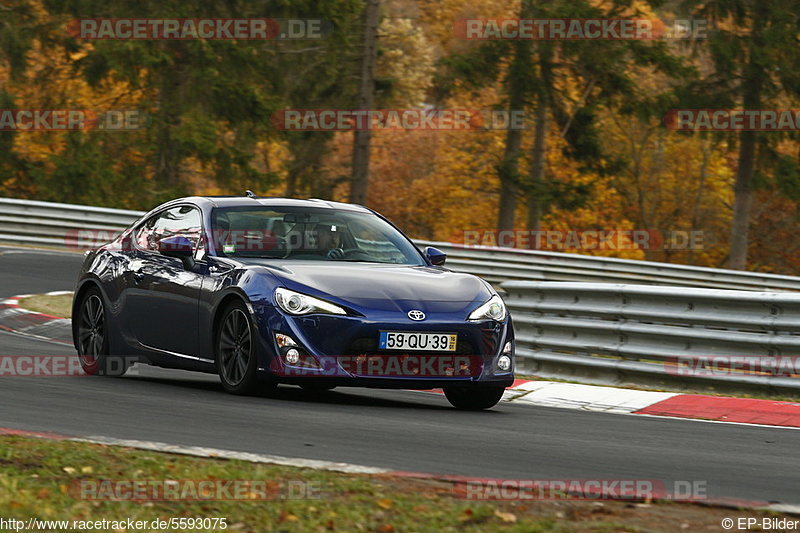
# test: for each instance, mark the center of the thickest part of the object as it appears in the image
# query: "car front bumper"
(330, 342)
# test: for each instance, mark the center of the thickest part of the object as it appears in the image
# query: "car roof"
(244, 201)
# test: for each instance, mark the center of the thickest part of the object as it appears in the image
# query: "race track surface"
(400, 430)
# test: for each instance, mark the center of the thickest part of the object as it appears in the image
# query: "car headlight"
(494, 309)
(296, 303)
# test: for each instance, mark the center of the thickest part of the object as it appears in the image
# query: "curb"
(748, 411)
(16, 319)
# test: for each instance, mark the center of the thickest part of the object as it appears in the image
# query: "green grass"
(38, 479)
(60, 306)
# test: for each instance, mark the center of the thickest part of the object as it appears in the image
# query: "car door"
(163, 296)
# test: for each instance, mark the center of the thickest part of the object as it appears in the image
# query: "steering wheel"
(349, 253)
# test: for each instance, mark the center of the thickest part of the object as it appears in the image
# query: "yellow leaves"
(438, 17)
(406, 59)
(509, 518)
(384, 503)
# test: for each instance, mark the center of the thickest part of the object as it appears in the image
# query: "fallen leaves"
(509, 518)
(385, 503)
(286, 516)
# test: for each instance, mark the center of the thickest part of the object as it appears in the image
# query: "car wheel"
(235, 351)
(473, 398)
(92, 335)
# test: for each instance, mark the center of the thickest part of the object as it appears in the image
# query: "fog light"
(507, 347)
(292, 356)
(504, 362)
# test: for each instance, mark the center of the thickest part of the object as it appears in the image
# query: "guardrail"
(61, 224)
(33, 222)
(657, 336)
(497, 265)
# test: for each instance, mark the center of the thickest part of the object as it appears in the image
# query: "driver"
(329, 238)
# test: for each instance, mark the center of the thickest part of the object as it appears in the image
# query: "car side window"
(184, 221)
(144, 233)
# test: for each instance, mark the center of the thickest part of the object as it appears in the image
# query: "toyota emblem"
(416, 314)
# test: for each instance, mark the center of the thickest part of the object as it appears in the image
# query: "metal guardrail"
(75, 225)
(497, 265)
(69, 225)
(659, 336)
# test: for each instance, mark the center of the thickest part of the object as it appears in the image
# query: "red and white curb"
(662, 404)
(16, 319)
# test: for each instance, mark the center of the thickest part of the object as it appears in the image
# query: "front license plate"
(408, 340)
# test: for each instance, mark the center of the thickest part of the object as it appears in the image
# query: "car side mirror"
(178, 247)
(435, 256)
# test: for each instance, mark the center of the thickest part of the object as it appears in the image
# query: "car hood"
(381, 286)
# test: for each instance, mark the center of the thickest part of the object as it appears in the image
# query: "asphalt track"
(400, 430)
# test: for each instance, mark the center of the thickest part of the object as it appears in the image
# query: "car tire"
(474, 398)
(235, 351)
(91, 333)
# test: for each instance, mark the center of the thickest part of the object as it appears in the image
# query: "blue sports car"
(313, 293)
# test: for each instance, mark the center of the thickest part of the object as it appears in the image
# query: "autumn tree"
(563, 81)
(756, 63)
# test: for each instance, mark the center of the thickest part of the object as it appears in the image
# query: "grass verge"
(60, 305)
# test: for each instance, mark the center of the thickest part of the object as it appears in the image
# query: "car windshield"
(308, 233)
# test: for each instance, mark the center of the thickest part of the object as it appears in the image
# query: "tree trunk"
(304, 175)
(698, 198)
(366, 100)
(743, 190)
(167, 168)
(536, 187)
(508, 171)
(538, 153)
(743, 200)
